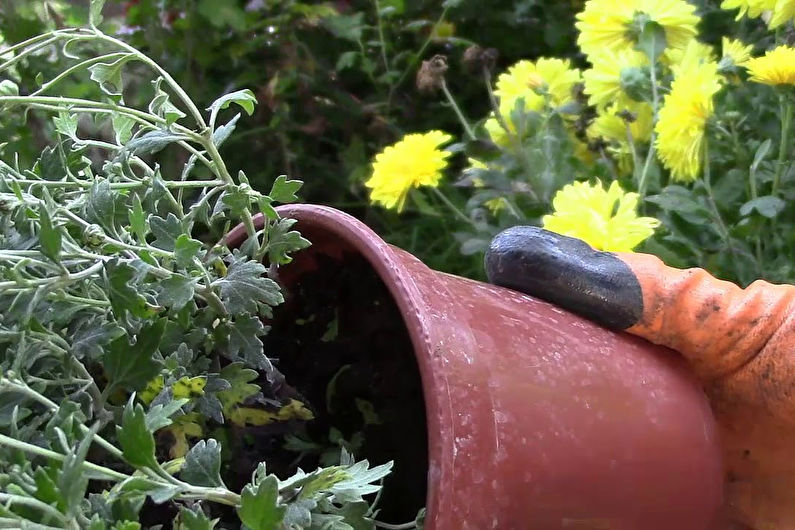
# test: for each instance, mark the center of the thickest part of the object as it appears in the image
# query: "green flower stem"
(60, 103)
(76, 68)
(457, 109)
(387, 526)
(782, 148)
(10, 500)
(24, 44)
(514, 137)
(381, 35)
(458, 213)
(67, 278)
(10, 522)
(643, 178)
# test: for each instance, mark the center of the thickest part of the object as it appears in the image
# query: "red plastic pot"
(536, 418)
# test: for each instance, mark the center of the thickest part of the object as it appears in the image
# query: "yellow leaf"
(189, 387)
(152, 389)
(183, 426)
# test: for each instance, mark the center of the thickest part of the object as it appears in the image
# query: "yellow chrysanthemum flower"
(605, 219)
(776, 67)
(682, 120)
(608, 24)
(749, 8)
(691, 56)
(736, 51)
(603, 79)
(414, 161)
(531, 80)
(783, 12)
(610, 126)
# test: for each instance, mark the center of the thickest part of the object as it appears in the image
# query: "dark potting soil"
(344, 351)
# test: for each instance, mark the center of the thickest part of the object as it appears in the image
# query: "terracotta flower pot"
(536, 418)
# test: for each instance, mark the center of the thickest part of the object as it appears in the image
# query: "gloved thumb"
(718, 327)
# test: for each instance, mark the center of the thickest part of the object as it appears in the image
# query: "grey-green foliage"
(110, 278)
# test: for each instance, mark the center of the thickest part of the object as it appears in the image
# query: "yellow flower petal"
(605, 219)
(749, 8)
(783, 12)
(603, 79)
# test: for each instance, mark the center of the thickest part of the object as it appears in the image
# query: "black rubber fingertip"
(566, 272)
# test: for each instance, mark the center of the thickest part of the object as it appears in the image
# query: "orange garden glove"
(740, 343)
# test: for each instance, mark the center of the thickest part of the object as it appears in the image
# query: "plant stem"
(387, 526)
(76, 68)
(642, 180)
(458, 112)
(9, 500)
(453, 207)
(782, 148)
(381, 35)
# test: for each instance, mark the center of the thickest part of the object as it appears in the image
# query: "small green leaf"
(49, 236)
(282, 241)
(176, 291)
(123, 297)
(761, 153)
(137, 219)
(66, 124)
(136, 440)
(244, 98)
(259, 505)
(202, 465)
(8, 88)
(244, 342)
(162, 106)
(95, 12)
(186, 250)
(91, 337)
(223, 132)
(131, 366)
(152, 142)
(100, 206)
(188, 519)
(122, 127)
(159, 416)
(108, 75)
(767, 206)
(245, 287)
(284, 190)
(651, 41)
(166, 231)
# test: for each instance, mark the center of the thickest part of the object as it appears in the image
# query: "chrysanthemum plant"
(685, 147)
(129, 329)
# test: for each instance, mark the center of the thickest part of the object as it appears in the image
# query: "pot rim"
(396, 276)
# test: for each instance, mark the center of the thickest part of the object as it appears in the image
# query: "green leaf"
(282, 241)
(284, 190)
(259, 505)
(131, 366)
(761, 153)
(202, 465)
(47, 489)
(91, 337)
(767, 206)
(49, 236)
(8, 88)
(73, 479)
(162, 106)
(244, 342)
(100, 206)
(185, 250)
(123, 297)
(136, 440)
(245, 287)
(122, 127)
(166, 231)
(137, 219)
(651, 41)
(348, 27)
(159, 416)
(108, 75)
(240, 387)
(95, 12)
(176, 291)
(188, 519)
(244, 98)
(221, 14)
(66, 124)
(157, 491)
(225, 131)
(152, 142)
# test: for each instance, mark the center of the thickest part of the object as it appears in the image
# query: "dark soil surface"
(340, 324)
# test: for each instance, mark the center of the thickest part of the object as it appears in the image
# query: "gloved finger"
(718, 327)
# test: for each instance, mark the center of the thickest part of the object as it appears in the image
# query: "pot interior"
(341, 342)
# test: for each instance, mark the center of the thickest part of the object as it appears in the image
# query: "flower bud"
(430, 76)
